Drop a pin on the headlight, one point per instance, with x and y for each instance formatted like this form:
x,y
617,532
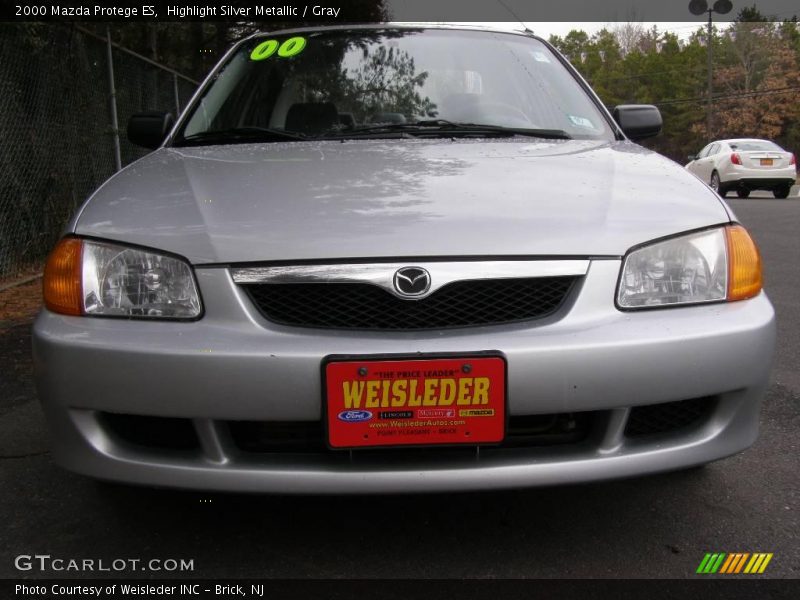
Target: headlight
x,y
98,278
707,266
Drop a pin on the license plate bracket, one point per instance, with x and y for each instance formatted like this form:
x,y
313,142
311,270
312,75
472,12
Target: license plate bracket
x,y
419,400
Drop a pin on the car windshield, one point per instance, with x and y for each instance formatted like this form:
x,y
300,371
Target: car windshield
x,y
391,83
754,146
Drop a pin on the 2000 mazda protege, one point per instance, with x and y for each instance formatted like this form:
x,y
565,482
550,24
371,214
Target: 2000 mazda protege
x,y
400,258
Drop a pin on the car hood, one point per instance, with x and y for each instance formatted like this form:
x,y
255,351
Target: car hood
x,y
398,198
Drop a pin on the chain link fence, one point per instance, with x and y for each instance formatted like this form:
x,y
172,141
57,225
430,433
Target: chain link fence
x,y
57,139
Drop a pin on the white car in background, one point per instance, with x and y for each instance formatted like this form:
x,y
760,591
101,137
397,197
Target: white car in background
x,y
744,165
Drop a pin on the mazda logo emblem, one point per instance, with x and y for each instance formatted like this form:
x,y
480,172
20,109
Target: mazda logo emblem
x,y
412,281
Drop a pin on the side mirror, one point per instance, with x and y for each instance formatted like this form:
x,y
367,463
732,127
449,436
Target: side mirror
x,y
149,129
638,121
691,157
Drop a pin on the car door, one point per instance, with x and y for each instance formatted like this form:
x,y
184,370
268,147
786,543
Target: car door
x,y
695,165
706,164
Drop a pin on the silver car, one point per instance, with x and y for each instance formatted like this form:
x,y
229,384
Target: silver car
x,y
399,259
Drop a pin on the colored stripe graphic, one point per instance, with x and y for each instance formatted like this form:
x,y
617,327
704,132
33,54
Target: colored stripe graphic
x,y
727,564
711,563
715,567
758,563
734,563
764,564
741,562
703,563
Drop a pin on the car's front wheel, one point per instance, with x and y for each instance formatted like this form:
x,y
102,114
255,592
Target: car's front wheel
x,y
782,192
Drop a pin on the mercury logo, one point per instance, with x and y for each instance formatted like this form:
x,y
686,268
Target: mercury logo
x,y
412,281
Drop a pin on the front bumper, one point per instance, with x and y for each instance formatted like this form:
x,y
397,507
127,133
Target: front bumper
x,y
232,365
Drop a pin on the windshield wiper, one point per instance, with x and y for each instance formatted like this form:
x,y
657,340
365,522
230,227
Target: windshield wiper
x,y
444,127
240,135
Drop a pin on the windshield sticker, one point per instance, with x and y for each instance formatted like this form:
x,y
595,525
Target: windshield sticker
x,y
582,122
540,56
291,47
264,50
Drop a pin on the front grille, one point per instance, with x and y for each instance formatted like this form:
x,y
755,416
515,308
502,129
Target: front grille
x,y
309,436
364,306
667,417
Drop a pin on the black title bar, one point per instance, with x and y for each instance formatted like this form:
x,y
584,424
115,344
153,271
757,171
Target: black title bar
x,y
732,588
346,11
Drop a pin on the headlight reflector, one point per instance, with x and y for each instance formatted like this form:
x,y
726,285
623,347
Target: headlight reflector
x,y
684,270
705,266
118,281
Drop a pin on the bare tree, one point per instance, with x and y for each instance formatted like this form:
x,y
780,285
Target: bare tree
x,y
629,36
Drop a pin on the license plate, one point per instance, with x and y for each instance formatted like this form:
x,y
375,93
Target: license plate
x,y
766,162
419,402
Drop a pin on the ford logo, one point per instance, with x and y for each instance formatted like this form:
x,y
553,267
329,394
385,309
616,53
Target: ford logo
x,y
355,416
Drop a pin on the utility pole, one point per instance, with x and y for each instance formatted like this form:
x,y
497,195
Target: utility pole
x,y
113,96
698,7
710,53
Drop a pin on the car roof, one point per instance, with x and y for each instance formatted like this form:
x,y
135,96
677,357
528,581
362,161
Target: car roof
x,y
734,140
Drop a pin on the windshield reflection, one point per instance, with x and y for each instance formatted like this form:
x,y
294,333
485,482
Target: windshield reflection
x,y
352,80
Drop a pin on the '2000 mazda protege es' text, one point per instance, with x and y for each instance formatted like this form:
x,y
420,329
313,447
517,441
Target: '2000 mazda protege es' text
x,y
399,258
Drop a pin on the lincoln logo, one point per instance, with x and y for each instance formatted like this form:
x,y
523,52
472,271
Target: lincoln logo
x,y
412,281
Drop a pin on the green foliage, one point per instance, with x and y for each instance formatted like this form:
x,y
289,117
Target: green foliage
x,y
752,59
750,14
386,77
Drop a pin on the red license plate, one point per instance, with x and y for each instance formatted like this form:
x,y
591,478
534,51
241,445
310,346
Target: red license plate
x,y
766,162
416,402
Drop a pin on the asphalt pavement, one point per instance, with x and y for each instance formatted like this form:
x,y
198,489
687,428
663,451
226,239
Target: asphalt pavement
x,y
657,526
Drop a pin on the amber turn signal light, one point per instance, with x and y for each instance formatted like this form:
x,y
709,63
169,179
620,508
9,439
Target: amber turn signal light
x,y
744,264
62,278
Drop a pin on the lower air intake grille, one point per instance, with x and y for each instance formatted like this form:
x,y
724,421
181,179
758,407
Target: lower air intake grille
x,y
309,436
166,433
364,306
670,416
